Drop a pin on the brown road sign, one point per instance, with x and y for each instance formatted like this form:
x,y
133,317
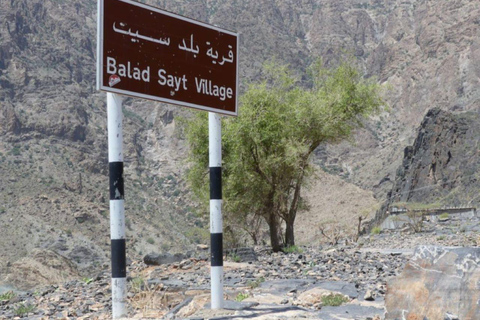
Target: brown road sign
x,y
149,53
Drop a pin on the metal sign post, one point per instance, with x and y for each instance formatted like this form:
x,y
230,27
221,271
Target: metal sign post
x,y
216,224
117,207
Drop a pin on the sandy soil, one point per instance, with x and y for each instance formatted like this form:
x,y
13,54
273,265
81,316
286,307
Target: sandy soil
x,y
335,205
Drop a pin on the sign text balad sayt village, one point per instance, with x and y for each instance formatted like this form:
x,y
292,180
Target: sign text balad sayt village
x,y
148,53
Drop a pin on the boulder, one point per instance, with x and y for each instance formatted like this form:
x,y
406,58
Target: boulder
x,y
349,312
314,297
436,284
369,296
155,259
345,288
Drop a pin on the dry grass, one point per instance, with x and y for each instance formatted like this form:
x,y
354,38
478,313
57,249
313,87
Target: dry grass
x,y
153,301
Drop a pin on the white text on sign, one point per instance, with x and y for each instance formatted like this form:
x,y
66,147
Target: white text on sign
x,y
177,83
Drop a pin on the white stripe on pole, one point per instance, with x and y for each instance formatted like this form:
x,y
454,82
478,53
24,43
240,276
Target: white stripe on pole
x,y
117,219
217,287
119,294
215,140
115,127
216,223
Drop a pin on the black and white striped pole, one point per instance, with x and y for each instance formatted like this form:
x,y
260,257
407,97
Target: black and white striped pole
x,y
117,208
216,224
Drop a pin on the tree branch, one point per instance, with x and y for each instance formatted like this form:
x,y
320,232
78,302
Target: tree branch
x,y
257,166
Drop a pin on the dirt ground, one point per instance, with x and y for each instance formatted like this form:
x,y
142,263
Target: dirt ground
x,y
335,206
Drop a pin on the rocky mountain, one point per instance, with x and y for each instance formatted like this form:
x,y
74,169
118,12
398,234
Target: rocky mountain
x,y
53,146
442,166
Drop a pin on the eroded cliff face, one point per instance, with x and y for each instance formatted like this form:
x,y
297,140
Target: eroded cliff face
x,y
53,147
442,166
442,160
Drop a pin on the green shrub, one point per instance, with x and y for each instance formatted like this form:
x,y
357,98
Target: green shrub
x,y
334,300
87,280
235,257
7,296
24,309
198,235
138,284
15,151
443,216
150,240
241,296
255,283
376,230
292,249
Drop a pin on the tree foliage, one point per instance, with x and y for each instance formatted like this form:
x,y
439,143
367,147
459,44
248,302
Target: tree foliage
x,y
267,148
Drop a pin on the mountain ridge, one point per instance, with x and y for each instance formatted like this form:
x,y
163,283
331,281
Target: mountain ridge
x,y
53,122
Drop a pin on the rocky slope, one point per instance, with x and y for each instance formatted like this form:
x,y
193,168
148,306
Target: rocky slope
x,y
442,166
53,187
269,285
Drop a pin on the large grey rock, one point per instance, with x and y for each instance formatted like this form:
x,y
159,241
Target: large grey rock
x,y
348,312
286,285
435,282
156,259
342,287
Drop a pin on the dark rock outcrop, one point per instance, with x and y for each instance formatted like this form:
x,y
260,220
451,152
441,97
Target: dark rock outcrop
x,y
440,160
9,122
442,164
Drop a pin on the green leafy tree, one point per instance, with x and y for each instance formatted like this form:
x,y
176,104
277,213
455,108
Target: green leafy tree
x,y
267,148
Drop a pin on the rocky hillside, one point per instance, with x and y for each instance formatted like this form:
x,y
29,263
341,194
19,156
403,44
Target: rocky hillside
x,y
53,146
314,282
427,52
442,166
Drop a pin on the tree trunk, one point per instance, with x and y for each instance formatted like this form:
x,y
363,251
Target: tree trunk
x,y
290,216
289,235
274,225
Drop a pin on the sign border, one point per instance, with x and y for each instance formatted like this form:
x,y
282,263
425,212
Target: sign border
x,y
100,38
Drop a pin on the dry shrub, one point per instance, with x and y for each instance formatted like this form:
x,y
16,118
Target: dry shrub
x,y
154,301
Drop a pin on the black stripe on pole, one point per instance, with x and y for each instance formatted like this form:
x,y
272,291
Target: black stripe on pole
x,y
119,264
216,240
116,180
215,183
